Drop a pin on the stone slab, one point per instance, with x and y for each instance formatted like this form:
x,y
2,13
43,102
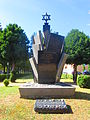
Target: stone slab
x,y
38,38
60,66
35,90
36,48
34,68
46,35
50,106
55,43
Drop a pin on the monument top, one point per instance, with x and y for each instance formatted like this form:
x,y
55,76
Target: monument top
x,y
46,17
46,27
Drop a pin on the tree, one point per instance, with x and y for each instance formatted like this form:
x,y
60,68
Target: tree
x,y
23,66
77,46
14,45
2,60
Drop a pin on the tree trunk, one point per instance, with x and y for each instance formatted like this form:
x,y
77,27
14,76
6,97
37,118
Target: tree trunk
x,y
13,67
4,69
7,72
75,73
18,70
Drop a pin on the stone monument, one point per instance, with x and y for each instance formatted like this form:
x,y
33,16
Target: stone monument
x,y
47,64
48,55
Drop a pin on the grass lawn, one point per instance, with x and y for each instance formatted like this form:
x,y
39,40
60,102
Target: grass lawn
x,y
12,107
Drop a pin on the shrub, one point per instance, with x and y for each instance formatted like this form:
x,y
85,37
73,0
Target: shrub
x,y
84,81
6,82
12,77
2,77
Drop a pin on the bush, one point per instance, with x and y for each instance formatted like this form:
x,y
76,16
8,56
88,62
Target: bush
x,y
2,77
84,81
6,82
12,77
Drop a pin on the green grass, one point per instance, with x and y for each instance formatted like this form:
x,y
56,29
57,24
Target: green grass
x,y
67,76
23,80
67,80
5,91
12,107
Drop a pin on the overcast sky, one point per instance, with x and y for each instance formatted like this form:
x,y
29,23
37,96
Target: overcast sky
x,y
65,15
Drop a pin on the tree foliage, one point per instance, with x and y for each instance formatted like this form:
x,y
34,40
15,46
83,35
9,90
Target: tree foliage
x,y
14,45
2,60
77,46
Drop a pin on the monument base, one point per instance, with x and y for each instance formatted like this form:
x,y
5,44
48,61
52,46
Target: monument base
x,y
37,91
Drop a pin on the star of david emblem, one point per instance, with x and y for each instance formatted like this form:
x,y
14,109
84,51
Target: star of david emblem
x,y
46,17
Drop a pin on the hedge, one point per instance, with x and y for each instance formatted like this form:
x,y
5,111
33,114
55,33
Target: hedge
x,y
12,77
2,77
84,81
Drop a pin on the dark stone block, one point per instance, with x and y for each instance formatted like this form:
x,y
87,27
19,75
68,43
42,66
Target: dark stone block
x,y
47,57
55,43
50,106
46,27
46,73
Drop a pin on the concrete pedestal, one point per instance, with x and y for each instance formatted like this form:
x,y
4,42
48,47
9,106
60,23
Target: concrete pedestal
x,y
35,90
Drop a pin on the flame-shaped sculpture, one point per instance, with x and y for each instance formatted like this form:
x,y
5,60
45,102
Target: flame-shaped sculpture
x,y
48,57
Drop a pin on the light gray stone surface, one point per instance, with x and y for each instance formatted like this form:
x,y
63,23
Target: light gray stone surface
x,y
36,48
60,66
34,68
35,90
38,39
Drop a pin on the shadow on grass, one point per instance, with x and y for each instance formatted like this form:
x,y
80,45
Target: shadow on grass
x,y
72,83
65,111
9,86
81,95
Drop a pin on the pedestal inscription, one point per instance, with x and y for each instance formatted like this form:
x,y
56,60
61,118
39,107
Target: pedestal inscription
x,y
50,106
